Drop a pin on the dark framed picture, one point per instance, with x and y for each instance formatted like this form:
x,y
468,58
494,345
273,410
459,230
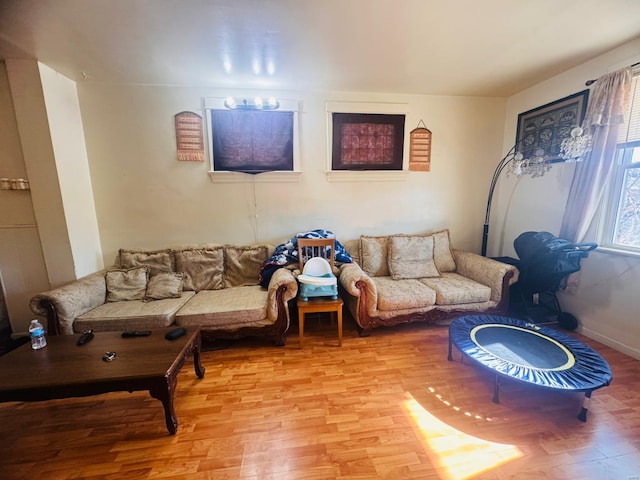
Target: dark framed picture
x,y
367,141
545,127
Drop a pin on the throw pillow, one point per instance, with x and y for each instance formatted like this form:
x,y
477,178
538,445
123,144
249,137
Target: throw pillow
x,y
202,267
411,256
242,264
442,252
126,284
158,261
164,285
373,255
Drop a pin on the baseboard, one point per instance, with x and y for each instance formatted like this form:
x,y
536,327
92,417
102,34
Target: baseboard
x,y
609,342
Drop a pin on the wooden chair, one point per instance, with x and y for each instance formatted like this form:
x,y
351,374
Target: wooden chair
x,y
325,248
316,247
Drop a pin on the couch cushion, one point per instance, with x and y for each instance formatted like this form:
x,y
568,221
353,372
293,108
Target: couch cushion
x,y
442,252
402,294
164,285
227,309
411,256
126,284
202,266
353,249
158,261
452,289
134,315
373,255
242,264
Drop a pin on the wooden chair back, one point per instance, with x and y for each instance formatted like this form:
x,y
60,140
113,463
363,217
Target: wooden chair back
x,y
316,247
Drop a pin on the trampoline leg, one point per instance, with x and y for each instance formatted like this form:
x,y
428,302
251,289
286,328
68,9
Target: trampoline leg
x,y
582,416
449,357
496,391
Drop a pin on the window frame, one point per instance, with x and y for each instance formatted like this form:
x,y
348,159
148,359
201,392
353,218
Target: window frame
x,y
226,176
608,216
332,175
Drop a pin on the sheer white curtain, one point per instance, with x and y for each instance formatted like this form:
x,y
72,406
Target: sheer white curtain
x,y
605,112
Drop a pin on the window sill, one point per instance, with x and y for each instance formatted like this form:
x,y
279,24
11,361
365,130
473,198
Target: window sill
x,y
366,175
266,177
617,251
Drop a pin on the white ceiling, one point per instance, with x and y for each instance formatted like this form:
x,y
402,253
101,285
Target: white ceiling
x,y
450,47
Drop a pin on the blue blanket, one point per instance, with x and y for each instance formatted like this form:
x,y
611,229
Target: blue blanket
x,y
287,254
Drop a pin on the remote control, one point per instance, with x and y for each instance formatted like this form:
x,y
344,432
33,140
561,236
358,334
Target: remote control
x,y
136,333
85,337
175,333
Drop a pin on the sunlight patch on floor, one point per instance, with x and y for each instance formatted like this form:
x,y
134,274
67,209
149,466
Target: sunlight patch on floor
x,y
455,454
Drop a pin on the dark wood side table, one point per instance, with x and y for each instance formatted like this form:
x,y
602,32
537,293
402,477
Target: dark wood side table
x,y
63,369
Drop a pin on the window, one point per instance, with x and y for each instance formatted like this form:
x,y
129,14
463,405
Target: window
x,y
252,141
347,161
620,229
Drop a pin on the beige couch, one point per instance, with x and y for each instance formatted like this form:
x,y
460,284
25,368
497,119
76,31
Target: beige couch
x,y
406,278
213,286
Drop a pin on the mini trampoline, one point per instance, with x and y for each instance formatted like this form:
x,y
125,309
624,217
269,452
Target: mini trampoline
x,y
530,353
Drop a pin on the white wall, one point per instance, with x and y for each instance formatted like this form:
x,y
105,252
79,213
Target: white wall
x,y
56,239
21,260
607,301
69,151
146,198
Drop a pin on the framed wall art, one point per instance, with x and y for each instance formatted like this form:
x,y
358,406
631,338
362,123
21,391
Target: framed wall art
x,y
367,141
545,127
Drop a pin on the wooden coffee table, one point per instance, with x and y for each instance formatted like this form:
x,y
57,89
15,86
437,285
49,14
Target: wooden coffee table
x,y
63,369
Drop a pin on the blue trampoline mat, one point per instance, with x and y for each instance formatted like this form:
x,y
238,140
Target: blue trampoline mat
x,y
529,353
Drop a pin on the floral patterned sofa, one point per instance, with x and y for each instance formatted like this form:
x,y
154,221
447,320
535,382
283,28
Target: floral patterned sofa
x,y
404,278
213,286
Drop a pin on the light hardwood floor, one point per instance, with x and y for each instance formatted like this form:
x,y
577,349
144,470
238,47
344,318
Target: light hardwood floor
x,y
387,406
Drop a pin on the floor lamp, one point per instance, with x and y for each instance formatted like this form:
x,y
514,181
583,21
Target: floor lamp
x,y
573,149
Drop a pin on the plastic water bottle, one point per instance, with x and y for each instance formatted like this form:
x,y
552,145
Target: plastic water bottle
x,y
36,331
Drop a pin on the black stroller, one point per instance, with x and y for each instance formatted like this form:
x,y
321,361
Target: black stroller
x,y
545,262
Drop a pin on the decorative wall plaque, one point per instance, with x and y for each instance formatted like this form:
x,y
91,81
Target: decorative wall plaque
x,y
420,149
189,137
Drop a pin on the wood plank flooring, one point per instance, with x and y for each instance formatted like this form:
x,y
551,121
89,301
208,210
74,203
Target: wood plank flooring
x,y
389,406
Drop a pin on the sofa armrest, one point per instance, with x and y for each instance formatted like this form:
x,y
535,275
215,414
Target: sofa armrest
x,y
282,288
495,275
62,305
358,284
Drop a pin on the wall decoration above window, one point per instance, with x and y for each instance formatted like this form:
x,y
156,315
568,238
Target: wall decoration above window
x,y
189,140
420,148
367,141
541,130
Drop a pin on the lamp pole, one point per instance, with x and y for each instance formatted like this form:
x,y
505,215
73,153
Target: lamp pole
x,y
509,157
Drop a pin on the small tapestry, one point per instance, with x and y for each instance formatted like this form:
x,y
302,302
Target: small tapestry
x,y
420,150
189,137
367,141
